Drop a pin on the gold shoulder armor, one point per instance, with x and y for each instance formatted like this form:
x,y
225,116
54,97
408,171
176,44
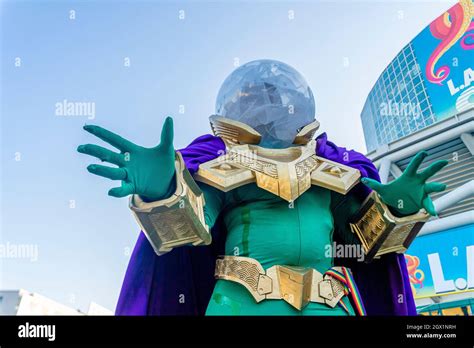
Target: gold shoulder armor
x,y
284,172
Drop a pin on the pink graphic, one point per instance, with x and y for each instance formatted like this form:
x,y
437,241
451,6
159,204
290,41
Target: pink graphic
x,y
416,275
449,28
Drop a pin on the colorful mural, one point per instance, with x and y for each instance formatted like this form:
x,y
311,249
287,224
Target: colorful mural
x,y
450,28
442,263
445,54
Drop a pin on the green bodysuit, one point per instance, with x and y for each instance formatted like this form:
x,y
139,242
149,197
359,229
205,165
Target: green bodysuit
x,y
263,226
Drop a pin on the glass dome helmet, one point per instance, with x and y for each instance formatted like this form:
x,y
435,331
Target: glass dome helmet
x,y
269,96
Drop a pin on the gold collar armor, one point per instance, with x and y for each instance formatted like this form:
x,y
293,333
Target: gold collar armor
x,y
287,173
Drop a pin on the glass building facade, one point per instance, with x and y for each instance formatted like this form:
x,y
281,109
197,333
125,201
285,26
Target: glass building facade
x,y
430,80
398,104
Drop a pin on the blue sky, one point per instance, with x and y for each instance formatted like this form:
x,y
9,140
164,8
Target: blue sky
x,y
48,199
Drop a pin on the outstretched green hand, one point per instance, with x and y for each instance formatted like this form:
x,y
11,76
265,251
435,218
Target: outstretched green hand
x,y
410,192
147,172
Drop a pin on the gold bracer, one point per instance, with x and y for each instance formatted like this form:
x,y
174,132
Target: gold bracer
x,y
380,232
177,220
287,173
296,285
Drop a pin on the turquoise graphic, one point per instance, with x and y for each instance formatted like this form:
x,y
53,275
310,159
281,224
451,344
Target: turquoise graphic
x,y
442,263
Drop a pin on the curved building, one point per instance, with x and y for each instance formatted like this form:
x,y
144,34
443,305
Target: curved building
x,y
430,79
424,100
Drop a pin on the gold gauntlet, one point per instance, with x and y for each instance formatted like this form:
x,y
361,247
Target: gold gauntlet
x,y
380,232
175,221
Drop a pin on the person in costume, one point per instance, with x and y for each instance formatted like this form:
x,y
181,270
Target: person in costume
x,y
239,222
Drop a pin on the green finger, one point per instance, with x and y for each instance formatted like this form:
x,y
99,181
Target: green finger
x,y
109,137
167,133
102,154
415,163
108,172
429,206
434,187
433,169
373,184
125,190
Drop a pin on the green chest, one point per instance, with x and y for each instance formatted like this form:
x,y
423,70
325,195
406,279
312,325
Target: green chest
x,y
265,227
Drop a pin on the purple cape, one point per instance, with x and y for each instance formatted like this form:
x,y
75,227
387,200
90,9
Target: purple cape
x,y
181,282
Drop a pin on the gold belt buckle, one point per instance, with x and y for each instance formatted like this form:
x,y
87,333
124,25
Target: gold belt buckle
x,y
295,285
300,285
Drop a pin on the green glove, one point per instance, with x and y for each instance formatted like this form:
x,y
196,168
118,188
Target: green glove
x,y
410,192
147,172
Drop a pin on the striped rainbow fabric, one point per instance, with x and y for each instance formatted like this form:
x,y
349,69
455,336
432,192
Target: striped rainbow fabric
x,y
350,287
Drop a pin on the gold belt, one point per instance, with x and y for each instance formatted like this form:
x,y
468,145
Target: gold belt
x,y
296,285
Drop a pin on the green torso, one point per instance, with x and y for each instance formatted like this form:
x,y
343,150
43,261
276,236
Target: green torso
x,y
262,226
265,227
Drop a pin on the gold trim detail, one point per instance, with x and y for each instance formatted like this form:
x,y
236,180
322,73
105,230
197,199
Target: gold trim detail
x,y
233,132
236,132
175,221
296,285
306,134
287,173
380,232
